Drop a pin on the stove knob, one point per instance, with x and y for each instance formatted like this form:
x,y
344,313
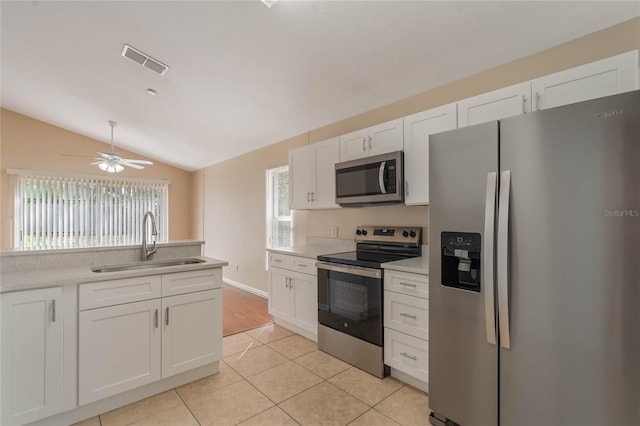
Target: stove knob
x,y
358,232
412,234
405,234
364,232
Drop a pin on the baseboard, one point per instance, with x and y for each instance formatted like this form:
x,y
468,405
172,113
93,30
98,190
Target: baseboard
x,y
410,380
246,288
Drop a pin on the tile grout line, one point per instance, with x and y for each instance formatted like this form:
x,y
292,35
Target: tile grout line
x,y
275,404
187,405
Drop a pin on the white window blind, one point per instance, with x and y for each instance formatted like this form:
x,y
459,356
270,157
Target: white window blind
x,y
84,211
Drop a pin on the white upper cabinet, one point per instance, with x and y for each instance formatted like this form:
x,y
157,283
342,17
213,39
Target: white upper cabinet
x,y
31,355
594,80
501,103
378,139
300,177
326,155
312,175
417,128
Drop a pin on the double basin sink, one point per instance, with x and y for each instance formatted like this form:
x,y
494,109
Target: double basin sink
x,y
147,265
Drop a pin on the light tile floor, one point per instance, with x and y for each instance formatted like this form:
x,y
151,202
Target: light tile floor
x,y
272,377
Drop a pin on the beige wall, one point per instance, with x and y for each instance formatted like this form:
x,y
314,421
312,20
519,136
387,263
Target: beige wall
x,y
234,191
35,145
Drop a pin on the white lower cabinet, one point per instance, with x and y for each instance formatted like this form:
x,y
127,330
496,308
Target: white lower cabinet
x,y
191,331
31,354
119,349
124,346
406,325
407,354
293,295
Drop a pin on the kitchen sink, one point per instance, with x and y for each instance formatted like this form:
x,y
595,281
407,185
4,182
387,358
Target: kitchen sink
x,y
147,265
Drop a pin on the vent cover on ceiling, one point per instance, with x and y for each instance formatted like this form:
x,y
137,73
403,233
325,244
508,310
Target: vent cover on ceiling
x,y
144,59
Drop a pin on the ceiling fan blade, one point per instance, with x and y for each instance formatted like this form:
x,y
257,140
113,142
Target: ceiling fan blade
x,y
129,160
97,162
134,166
110,155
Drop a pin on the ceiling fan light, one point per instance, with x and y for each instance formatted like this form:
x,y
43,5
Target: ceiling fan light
x,y
103,166
117,168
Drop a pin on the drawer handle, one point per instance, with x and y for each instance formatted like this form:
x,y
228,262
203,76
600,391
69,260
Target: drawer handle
x,y
53,310
155,318
406,355
408,284
166,320
301,265
277,260
408,316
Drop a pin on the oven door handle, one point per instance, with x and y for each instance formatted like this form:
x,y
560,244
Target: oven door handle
x,y
350,269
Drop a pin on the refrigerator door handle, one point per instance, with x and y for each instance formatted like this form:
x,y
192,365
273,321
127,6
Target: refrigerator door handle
x,y
489,236
503,260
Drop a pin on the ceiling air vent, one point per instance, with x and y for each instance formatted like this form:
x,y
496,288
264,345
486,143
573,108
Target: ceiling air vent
x,y
144,59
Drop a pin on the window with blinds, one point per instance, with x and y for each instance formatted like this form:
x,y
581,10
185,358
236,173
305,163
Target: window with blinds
x,y
70,211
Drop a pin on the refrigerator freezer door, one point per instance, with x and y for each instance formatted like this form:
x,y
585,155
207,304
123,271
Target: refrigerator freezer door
x,y
463,366
574,249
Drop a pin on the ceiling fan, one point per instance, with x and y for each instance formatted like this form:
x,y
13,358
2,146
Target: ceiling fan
x,y
112,162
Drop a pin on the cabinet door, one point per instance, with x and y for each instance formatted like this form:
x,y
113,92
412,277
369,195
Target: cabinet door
x,y
31,355
502,103
305,301
407,354
326,155
279,293
301,164
119,349
386,137
354,145
601,78
191,331
417,128
407,314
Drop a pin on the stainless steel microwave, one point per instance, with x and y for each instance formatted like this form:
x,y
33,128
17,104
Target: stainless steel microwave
x,y
371,180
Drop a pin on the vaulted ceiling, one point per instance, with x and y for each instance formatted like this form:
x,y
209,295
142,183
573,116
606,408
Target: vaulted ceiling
x,y
242,76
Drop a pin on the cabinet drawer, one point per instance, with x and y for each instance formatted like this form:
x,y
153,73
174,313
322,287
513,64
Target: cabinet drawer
x,y
407,314
190,281
279,260
115,292
407,354
304,265
406,283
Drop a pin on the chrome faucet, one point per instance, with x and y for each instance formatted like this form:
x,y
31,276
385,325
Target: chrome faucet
x,y
146,253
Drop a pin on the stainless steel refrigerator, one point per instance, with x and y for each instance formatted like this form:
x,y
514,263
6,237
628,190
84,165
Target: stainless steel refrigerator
x,y
534,310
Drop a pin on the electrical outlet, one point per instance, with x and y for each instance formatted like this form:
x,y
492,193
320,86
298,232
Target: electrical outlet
x,y
237,267
334,231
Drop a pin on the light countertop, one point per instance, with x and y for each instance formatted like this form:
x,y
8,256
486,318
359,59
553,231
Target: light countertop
x,y
315,247
415,265
57,277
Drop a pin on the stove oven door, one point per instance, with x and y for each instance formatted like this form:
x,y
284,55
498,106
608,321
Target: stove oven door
x,y
350,300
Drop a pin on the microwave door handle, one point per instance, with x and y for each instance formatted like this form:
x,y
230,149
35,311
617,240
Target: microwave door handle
x,y
383,188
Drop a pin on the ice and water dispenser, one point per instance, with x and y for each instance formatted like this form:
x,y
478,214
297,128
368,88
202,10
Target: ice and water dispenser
x,y
461,260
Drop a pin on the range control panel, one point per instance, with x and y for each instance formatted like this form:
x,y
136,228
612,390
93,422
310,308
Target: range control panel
x,y
401,235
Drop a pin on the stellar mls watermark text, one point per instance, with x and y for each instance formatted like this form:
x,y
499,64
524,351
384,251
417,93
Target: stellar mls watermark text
x,y
622,213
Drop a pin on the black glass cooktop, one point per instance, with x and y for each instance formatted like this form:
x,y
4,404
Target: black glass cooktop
x,y
370,259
